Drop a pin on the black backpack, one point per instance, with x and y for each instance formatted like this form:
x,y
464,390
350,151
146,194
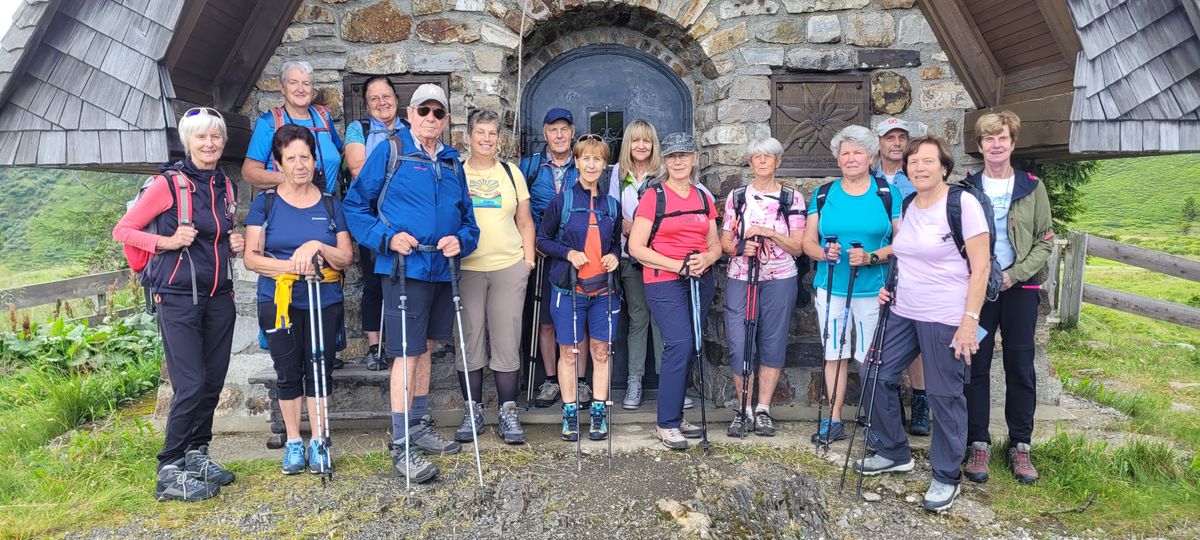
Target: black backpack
x,y
786,199
882,190
660,210
954,219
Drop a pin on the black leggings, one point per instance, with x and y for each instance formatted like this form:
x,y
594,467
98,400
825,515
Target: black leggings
x,y
1014,313
372,291
291,349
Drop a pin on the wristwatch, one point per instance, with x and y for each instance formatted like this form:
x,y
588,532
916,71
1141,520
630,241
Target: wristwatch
x,y
972,315
874,258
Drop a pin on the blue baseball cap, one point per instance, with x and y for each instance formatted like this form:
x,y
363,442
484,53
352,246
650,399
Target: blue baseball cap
x,y
558,113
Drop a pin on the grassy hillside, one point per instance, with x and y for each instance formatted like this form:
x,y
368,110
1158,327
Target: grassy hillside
x,y
1140,201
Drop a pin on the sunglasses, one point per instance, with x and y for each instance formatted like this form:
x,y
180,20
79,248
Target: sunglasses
x,y
424,111
202,110
590,137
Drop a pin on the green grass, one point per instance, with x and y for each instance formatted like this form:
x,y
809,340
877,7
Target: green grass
x,y
11,277
1140,201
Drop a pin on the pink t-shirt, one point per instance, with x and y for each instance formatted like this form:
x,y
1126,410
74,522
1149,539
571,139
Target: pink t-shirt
x,y
678,235
762,210
933,276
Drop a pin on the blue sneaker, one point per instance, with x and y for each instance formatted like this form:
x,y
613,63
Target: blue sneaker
x,y
293,458
318,458
830,431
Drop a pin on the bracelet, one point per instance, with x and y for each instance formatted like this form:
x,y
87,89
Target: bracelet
x,y
972,315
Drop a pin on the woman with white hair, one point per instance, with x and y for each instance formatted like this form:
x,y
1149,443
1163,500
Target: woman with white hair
x,y
849,233
181,225
762,232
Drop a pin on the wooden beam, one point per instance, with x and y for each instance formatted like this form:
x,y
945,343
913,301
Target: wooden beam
x,y
968,52
1045,124
238,127
63,289
1140,305
183,31
259,38
1062,27
1071,295
1155,261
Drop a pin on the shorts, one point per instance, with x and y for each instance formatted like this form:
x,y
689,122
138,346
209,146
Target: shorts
x,y
591,314
776,298
430,315
864,317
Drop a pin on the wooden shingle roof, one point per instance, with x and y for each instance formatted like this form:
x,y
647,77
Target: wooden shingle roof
x,y
1137,77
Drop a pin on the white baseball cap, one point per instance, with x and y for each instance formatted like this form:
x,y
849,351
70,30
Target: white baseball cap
x,y
888,124
429,92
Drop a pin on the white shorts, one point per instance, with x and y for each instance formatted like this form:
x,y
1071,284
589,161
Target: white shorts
x,y
864,316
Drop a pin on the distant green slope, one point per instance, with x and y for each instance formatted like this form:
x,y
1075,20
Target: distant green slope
x,y
1140,201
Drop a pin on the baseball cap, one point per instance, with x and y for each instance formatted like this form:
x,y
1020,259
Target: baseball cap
x,y
429,92
677,143
558,113
891,123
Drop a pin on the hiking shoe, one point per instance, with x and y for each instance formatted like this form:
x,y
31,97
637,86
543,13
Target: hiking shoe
x,y
688,403
424,439
319,461
633,394
374,360
293,458
918,423
599,416
672,438
876,464
420,469
829,431
177,484
737,428
584,393
764,425
510,424
547,394
1022,466
464,434
690,430
939,497
570,424
205,468
336,363
977,462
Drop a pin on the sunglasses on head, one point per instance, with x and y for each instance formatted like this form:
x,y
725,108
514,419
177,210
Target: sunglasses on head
x,y
590,137
205,110
437,113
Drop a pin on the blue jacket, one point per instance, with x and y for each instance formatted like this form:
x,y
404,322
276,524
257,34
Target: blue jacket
x,y
901,181
416,202
575,233
540,175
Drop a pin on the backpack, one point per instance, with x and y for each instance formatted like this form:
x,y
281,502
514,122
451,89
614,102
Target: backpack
x,y
882,190
786,199
342,182
569,208
660,208
954,219
393,165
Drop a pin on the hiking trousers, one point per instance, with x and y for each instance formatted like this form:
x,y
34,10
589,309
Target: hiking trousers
x,y
1015,314
641,325
372,291
196,341
671,308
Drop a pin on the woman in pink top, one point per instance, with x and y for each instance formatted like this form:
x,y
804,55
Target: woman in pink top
x,y
938,296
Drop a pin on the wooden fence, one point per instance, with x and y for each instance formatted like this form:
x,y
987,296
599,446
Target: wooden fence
x,y
94,287
1069,259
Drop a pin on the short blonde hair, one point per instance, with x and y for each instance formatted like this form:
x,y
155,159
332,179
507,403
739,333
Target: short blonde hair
x,y
993,124
196,120
640,129
592,145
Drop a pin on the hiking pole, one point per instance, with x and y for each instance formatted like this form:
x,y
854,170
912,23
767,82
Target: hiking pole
x,y
400,279
751,337
317,336
462,346
534,332
575,358
872,364
694,292
837,370
823,443
612,290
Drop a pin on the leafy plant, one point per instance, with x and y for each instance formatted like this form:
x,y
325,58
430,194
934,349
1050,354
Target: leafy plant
x,y
79,346
1064,184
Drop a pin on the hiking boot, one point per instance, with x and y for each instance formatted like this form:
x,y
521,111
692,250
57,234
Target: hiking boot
x,y
510,424
293,458
672,438
764,425
1022,466
374,359
420,469
633,394
319,461
177,484
829,431
690,430
688,403
977,462
464,434
599,416
547,394
423,438
584,394
208,471
737,428
570,424
918,423
939,497
876,464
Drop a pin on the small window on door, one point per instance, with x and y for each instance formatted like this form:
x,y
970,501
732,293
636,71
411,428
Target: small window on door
x,y
610,125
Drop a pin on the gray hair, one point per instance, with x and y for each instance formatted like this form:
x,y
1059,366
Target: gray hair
x,y
192,124
857,135
301,65
482,116
768,145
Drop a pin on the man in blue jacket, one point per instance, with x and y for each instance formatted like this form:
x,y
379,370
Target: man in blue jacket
x,y
424,215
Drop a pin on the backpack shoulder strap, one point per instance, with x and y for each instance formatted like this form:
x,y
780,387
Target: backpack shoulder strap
x,y
884,191
327,199
183,195
508,171
531,167
822,194
739,208
660,209
277,113
365,125
904,204
954,217
393,164
565,215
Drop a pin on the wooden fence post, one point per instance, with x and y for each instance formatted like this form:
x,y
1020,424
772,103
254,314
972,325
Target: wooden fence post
x,y
1053,279
1071,298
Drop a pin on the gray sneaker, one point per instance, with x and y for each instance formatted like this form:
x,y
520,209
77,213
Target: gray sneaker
x,y
423,438
547,394
690,430
585,394
633,394
463,433
737,428
764,425
510,424
672,438
205,468
177,484
876,464
411,463
941,496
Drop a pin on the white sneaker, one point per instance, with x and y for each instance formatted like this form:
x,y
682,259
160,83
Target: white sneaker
x,y
941,496
876,464
688,403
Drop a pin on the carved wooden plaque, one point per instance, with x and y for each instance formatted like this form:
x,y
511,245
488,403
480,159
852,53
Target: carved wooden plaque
x,y
808,110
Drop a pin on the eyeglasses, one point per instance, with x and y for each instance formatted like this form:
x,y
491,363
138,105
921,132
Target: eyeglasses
x,y
373,100
202,110
590,137
424,111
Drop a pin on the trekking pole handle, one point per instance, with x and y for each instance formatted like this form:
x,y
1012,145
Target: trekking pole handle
x,y
452,262
831,239
893,275
316,262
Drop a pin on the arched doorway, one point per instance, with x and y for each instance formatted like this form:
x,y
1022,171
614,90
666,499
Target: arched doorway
x,y
605,87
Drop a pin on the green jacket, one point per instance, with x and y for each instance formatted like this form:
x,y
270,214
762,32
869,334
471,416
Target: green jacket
x,y
1030,228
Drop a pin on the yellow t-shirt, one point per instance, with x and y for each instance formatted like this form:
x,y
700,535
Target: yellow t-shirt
x,y
495,203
